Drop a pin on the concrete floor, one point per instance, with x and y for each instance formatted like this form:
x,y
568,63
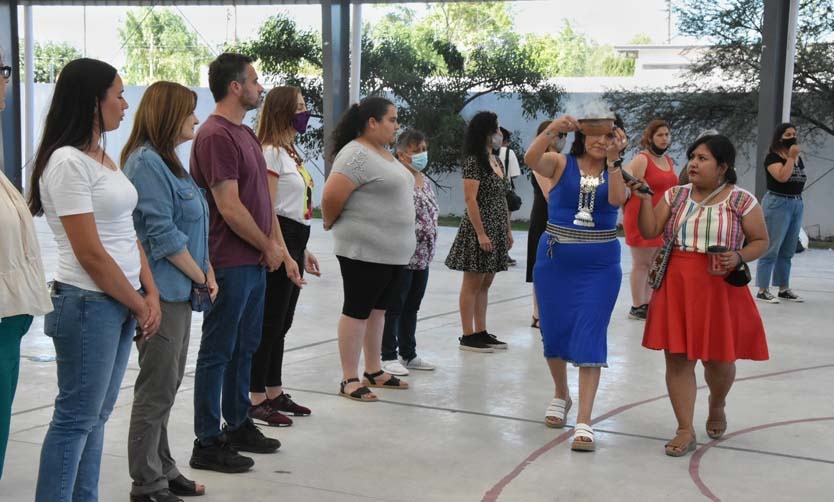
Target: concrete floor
x,y
472,429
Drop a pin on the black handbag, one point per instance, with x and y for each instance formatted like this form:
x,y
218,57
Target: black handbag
x,y
740,276
513,199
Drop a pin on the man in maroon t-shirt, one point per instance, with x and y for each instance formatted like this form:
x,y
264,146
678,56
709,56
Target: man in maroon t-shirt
x,y
244,242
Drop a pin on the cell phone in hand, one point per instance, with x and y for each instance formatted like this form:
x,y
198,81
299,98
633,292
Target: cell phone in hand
x,y
643,188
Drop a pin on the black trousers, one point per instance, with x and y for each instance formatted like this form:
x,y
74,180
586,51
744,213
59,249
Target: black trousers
x,y
279,310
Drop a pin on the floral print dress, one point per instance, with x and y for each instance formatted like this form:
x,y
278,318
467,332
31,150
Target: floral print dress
x,y
466,255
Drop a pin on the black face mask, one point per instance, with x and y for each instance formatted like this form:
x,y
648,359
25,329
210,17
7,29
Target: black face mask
x,y
788,142
657,151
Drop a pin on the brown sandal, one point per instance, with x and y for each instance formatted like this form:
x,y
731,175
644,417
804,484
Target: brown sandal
x,y
363,394
391,383
677,448
716,427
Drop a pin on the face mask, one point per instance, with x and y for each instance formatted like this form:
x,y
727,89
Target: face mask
x,y
657,151
497,140
788,142
559,145
299,121
419,161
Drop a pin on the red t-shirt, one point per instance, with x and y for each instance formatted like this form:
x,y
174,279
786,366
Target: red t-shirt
x,y
225,151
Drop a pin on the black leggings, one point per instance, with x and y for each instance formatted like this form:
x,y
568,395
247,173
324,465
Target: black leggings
x,y
279,310
368,286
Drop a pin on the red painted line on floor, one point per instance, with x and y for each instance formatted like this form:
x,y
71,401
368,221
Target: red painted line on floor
x,y
695,461
493,493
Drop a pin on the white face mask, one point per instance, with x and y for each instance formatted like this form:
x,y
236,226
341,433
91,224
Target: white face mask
x,y
559,145
497,140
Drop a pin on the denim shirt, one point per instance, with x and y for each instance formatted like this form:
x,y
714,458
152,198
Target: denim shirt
x,y
171,216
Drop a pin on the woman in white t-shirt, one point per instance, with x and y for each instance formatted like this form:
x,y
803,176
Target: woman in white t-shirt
x,y
284,115
88,203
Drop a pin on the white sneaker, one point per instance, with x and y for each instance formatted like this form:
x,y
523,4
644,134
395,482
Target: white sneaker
x,y
418,364
394,367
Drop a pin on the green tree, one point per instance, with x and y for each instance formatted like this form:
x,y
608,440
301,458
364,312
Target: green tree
x,y
571,54
721,88
432,94
50,58
159,46
641,39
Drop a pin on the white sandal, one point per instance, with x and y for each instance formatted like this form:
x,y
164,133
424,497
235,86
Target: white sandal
x,y
557,410
583,431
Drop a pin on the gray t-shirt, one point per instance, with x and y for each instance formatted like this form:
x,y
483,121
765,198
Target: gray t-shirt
x,y
377,222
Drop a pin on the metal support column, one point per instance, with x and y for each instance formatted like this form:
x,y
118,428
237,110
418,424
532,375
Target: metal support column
x,y
335,25
10,117
356,53
775,77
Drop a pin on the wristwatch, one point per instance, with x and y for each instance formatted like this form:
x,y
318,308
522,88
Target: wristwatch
x,y
615,164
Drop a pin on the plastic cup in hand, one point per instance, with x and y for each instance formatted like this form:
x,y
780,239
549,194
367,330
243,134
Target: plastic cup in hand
x,y
714,259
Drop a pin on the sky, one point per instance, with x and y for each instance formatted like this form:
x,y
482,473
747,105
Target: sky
x,y
610,22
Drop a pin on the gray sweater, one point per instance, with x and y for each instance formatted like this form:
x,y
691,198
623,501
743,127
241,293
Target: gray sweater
x,y
377,222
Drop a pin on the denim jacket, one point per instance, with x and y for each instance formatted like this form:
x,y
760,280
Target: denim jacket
x,y
171,216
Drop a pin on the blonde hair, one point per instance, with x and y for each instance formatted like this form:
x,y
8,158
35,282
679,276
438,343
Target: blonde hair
x,y
275,121
159,120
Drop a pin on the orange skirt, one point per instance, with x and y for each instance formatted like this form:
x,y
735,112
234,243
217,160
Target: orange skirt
x,y
700,315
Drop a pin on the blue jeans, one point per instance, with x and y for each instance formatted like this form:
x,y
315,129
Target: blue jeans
x,y
783,217
231,334
401,316
92,334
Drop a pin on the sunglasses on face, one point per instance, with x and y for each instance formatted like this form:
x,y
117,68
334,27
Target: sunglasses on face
x,y
6,71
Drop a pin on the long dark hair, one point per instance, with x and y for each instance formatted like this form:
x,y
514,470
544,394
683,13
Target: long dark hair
x,y
355,120
478,132
776,142
722,149
72,117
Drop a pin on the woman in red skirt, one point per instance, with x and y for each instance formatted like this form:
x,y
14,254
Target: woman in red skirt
x,y
695,314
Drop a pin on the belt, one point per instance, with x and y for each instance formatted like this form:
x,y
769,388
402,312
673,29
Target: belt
x,y
565,235
784,195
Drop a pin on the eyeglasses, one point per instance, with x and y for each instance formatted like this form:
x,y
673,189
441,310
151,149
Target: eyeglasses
x,y
6,71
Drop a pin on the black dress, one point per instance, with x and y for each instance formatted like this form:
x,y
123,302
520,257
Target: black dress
x,y
466,254
538,222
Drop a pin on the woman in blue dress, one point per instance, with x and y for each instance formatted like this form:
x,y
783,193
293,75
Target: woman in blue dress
x,y
577,274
